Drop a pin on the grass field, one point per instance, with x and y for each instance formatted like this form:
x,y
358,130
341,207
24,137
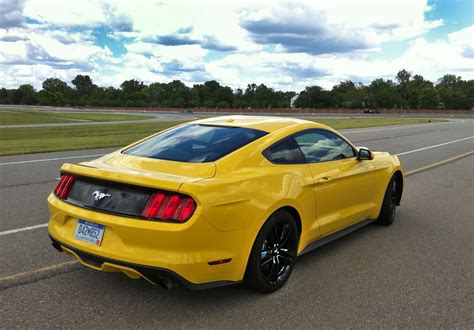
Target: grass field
x,y
357,122
14,141
19,117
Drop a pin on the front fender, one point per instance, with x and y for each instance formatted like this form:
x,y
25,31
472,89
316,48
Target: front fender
x,y
386,166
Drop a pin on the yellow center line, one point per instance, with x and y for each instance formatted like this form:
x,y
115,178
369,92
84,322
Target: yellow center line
x,y
437,164
72,262
38,271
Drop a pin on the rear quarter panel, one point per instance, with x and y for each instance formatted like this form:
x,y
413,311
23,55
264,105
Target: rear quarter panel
x,y
246,198
241,201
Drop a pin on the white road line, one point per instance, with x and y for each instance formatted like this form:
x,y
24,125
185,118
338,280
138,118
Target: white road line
x,y
49,159
13,231
434,146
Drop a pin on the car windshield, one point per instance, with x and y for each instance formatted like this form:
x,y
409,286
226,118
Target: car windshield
x,y
195,143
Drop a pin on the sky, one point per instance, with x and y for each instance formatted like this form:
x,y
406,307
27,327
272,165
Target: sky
x,y
286,45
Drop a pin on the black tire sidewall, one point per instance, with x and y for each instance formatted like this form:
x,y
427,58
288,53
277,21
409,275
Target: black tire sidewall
x,y
385,218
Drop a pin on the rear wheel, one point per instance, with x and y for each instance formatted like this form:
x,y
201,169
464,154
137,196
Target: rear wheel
x,y
389,204
273,254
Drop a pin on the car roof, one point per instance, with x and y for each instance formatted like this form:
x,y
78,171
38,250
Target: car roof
x,y
264,123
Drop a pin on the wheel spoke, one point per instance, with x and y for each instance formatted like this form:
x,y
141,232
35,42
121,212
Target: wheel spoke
x,y
273,275
286,256
265,255
266,261
285,261
285,234
282,270
274,235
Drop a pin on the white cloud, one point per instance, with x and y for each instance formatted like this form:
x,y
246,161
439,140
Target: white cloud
x,y
11,13
328,26
284,44
435,58
207,18
57,12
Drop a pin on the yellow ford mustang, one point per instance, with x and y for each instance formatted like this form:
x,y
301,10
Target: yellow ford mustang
x,y
220,201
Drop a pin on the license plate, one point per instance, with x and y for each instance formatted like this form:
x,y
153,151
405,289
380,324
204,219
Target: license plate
x,y
89,232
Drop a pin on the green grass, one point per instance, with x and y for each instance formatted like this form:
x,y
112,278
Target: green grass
x,y
15,141
19,117
342,123
43,139
449,117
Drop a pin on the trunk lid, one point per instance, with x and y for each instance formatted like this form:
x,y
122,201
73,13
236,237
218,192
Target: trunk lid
x,y
123,184
146,172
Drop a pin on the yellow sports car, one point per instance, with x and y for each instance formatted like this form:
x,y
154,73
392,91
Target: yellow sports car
x,y
220,201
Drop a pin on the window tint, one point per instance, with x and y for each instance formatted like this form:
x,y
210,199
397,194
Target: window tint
x,y
195,143
285,152
322,146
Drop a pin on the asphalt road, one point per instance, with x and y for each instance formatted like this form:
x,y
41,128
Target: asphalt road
x,y
417,273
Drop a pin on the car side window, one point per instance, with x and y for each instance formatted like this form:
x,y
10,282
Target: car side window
x,y
285,152
322,146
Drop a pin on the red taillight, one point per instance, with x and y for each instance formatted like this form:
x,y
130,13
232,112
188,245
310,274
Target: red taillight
x,y
169,207
153,205
64,186
187,210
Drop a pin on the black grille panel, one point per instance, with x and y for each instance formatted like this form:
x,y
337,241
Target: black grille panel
x,y
109,197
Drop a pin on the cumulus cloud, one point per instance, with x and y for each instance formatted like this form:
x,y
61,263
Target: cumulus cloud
x,y
176,66
90,13
11,13
326,27
74,13
117,20
41,49
300,29
463,39
184,36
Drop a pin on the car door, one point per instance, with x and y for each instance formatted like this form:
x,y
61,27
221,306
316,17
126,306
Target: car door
x,y
343,185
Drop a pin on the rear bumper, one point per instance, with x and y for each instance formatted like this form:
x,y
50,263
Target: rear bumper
x,y
158,276
158,252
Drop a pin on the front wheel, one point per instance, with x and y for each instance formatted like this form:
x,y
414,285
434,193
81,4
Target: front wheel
x,y
389,205
273,254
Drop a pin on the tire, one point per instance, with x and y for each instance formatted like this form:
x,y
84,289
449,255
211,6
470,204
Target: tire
x,y
389,205
273,255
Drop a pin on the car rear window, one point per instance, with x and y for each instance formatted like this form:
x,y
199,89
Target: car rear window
x,y
195,143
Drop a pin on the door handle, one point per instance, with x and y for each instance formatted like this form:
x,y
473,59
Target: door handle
x,y
324,179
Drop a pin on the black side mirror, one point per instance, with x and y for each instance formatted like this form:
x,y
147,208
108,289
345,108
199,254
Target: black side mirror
x,y
365,154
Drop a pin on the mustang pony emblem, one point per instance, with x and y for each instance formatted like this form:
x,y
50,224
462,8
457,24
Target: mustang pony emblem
x,y
99,195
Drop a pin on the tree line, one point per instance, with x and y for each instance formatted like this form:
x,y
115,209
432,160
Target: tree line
x,y
406,91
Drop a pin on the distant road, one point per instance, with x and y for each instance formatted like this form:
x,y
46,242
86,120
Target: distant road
x,y
157,116
273,112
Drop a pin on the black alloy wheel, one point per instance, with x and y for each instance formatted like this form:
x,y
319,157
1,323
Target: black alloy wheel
x,y
277,253
274,253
